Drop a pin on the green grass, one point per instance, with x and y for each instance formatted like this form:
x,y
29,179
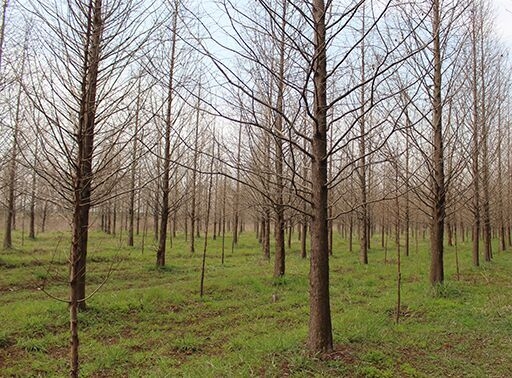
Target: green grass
x,y
148,322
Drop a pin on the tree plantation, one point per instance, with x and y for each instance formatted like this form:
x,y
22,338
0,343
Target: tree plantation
x,y
255,188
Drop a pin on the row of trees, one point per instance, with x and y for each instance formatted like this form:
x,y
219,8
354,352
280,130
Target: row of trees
x,y
179,116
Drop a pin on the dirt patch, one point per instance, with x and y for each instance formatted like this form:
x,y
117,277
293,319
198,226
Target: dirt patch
x,y
58,353
344,353
11,353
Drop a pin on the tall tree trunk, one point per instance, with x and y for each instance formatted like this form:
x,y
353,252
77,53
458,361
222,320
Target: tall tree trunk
x,y
407,183
320,327
501,220
11,201
237,193
194,174
363,212
133,173
398,252
476,149
439,190
83,174
164,212
156,207
137,224
486,207
216,200
279,259
305,218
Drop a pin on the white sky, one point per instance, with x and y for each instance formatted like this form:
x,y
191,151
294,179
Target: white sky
x,y
504,19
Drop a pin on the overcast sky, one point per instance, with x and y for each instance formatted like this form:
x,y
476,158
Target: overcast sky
x,y
504,21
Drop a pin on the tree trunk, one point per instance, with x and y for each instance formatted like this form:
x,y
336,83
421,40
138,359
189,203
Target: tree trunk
x,y
223,219
320,328
279,258
131,209
476,150
207,220
407,183
11,201
164,212
237,193
303,240
32,221
44,216
83,175
486,207
439,191
2,30
194,175
363,212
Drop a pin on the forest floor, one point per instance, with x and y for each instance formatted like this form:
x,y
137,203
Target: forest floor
x,y
148,322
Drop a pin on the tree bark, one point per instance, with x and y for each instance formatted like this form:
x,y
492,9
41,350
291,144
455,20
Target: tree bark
x,y
164,212
194,175
83,174
476,150
32,222
279,258
11,201
438,190
237,193
320,327
131,210
486,207
363,212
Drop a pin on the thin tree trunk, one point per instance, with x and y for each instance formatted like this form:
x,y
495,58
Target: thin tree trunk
x,y
11,201
32,222
439,190
164,213
44,216
303,240
194,174
207,220
501,220
305,218
398,253
237,193
351,233
476,151
223,220
215,202
486,207
131,209
279,258
363,212
407,182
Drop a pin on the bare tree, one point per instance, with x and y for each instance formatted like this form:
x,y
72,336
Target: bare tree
x,y
311,33
165,186
88,46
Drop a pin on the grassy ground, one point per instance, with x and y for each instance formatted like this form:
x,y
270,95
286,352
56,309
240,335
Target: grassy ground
x,y
146,322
